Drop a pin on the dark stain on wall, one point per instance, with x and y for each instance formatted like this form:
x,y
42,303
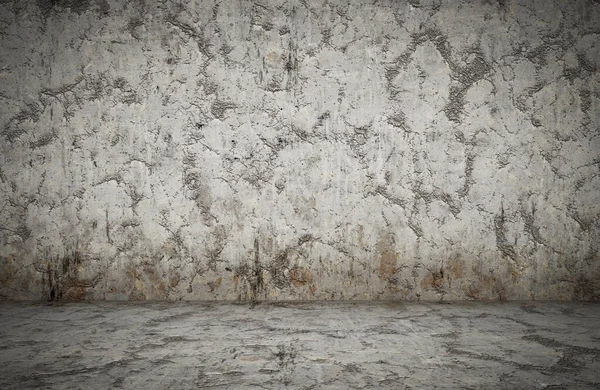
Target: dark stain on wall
x,y
61,279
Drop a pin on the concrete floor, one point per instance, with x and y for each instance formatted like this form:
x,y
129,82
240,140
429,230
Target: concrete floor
x,y
378,345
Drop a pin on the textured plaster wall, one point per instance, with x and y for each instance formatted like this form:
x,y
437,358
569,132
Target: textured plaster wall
x,y
299,149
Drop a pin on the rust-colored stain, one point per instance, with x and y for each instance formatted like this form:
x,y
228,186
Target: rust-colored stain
x,y
137,293
485,287
300,276
75,287
273,56
472,291
236,282
361,236
6,271
132,273
284,276
516,270
212,286
388,259
435,280
75,294
456,266
155,280
387,265
150,271
175,279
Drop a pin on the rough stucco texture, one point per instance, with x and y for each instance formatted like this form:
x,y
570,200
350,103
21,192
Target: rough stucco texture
x,y
299,150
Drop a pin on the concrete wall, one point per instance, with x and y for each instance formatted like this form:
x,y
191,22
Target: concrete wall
x,y
300,149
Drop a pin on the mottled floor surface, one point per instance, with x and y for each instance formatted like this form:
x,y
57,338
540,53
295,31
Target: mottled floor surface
x,y
325,345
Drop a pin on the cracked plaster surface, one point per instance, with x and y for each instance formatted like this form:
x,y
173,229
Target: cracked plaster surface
x,y
299,150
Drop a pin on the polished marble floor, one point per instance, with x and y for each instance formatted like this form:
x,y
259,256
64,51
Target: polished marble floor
x,y
351,345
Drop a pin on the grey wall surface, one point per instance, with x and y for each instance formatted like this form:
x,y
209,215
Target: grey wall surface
x,y
299,149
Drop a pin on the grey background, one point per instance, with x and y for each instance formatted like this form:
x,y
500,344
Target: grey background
x,y
299,150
